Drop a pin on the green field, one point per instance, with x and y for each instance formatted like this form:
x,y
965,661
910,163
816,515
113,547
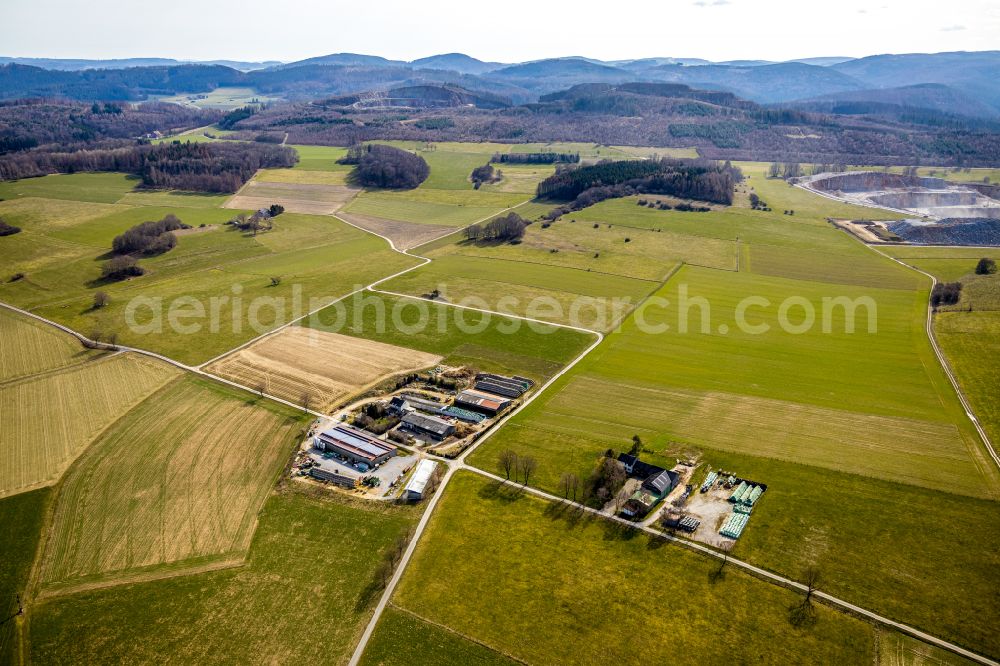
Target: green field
x,y
512,287
647,254
174,198
403,209
305,594
321,158
403,639
490,343
49,420
63,245
537,581
21,520
165,487
96,187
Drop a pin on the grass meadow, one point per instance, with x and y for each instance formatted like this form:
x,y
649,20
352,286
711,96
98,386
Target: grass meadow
x,y
488,282
321,158
305,593
550,586
93,187
969,332
165,486
21,521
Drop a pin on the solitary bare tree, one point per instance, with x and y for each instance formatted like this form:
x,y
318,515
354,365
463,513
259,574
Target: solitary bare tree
x,y
508,463
260,389
528,465
306,400
812,579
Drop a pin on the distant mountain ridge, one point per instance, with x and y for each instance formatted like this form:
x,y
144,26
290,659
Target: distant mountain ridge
x,y
973,87
74,64
934,96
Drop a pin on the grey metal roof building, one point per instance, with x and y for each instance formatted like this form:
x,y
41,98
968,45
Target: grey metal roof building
x,y
428,425
661,483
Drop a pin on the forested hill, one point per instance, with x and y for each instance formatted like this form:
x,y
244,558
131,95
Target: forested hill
x,y
719,124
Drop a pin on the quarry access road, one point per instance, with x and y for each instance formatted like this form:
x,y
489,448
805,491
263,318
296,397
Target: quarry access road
x,y
944,361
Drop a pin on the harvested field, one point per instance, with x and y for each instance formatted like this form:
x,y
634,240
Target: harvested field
x,y
296,197
30,347
180,477
404,235
47,422
328,366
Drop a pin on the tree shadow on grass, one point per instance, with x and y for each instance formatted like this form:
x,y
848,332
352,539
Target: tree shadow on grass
x,y
802,615
717,574
501,491
615,531
369,594
657,541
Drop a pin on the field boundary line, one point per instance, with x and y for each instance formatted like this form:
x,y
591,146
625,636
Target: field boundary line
x,y
369,287
456,632
14,381
220,564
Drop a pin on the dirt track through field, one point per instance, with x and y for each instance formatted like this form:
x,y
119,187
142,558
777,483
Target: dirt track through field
x,y
328,366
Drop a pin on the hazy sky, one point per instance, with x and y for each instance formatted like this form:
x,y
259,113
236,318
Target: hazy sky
x,y
503,30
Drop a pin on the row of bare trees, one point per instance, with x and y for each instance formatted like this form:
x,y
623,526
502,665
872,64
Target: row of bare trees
x,y
520,466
